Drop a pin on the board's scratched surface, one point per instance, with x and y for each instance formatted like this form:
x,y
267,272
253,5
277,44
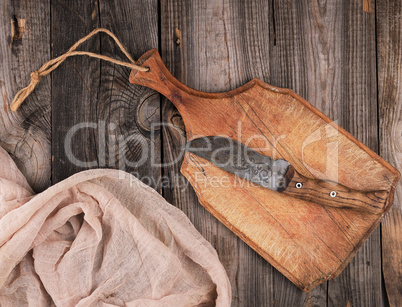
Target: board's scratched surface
x,y
345,62
308,243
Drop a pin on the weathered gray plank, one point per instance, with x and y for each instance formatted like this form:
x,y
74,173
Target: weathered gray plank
x,y
133,110
360,283
24,45
389,55
112,116
75,89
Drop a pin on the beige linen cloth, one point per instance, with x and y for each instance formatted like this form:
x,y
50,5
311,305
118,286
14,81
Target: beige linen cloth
x,y
101,238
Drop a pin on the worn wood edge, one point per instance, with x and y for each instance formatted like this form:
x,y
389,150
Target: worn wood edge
x,y
388,206
266,256
350,137
250,243
256,248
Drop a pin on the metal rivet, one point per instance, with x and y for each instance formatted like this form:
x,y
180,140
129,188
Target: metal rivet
x,y
299,185
332,194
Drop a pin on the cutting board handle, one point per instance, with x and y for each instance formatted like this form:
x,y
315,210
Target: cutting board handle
x,y
332,194
159,78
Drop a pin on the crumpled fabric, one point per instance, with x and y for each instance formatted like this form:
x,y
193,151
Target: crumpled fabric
x,y
101,238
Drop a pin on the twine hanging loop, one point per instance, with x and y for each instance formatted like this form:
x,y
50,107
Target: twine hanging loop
x,y
51,65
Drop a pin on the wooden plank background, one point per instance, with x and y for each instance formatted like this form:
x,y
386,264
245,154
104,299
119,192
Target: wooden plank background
x,y
344,61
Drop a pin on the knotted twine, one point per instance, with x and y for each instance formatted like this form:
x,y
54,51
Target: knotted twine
x,y
99,238
51,65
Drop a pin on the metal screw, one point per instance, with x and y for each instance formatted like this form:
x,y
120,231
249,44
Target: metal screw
x,y
299,185
333,194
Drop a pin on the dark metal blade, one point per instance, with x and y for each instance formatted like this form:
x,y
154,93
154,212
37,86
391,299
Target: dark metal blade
x,y
241,161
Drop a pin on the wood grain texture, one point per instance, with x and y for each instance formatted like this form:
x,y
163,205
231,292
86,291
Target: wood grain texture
x,y
193,39
134,144
107,121
75,90
287,231
328,57
389,54
24,45
208,45
323,50
360,283
326,54
274,42
329,193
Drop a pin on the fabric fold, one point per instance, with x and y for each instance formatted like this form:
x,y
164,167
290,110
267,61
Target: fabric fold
x,y
101,238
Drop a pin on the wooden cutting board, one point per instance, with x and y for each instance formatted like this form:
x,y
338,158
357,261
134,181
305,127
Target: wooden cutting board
x,y
308,243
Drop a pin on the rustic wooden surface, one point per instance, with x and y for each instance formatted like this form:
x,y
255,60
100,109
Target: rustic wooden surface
x,y
331,53
307,242
26,134
389,53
